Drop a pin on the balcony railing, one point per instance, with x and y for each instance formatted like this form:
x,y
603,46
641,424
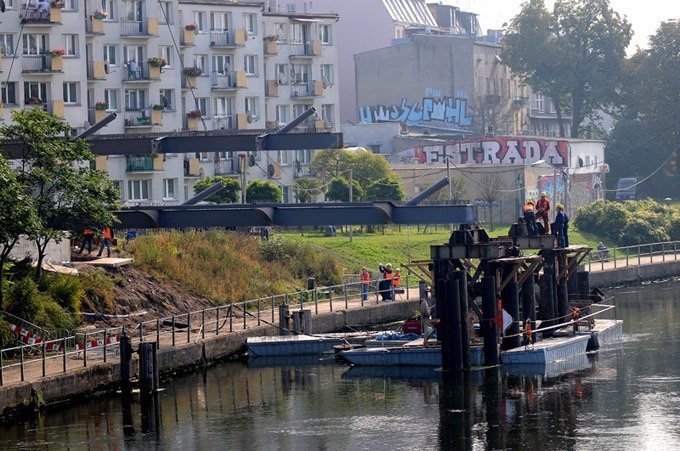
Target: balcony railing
x,y
312,48
135,27
36,63
225,80
139,164
135,71
141,118
224,122
227,38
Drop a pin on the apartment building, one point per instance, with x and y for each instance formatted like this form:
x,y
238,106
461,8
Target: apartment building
x,y
168,66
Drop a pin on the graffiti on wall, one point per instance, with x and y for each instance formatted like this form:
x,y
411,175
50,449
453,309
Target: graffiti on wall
x,y
489,151
433,107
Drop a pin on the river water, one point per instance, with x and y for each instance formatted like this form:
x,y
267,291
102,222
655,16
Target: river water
x,y
623,398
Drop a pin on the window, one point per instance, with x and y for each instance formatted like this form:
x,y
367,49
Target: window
x,y
11,4
202,156
118,184
168,99
539,102
325,34
250,23
71,5
221,64
139,189
199,20
301,73
34,44
9,93
223,107
111,97
251,106
135,99
35,89
279,30
299,109
281,73
303,156
203,105
220,21
165,13
71,44
165,52
133,53
296,35
327,113
284,157
250,64
110,7
71,92
282,114
327,74
110,55
200,61
6,44
134,10
169,189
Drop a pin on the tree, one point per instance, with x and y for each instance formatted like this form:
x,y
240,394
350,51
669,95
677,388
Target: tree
x,y
55,172
573,56
492,188
306,189
229,194
386,188
263,191
338,190
17,216
366,166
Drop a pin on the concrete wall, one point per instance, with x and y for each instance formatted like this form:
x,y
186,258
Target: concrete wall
x,y
55,252
634,274
106,376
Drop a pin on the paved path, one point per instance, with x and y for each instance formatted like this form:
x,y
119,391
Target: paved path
x,y
632,261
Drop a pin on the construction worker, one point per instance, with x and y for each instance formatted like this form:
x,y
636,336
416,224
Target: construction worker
x,y
385,285
365,283
543,212
88,237
561,225
530,218
107,236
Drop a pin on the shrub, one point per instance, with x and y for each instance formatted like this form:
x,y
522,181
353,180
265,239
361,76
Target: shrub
x,y
24,299
606,219
68,292
674,227
639,231
52,316
7,337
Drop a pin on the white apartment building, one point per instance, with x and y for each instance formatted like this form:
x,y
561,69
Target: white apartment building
x,y
257,71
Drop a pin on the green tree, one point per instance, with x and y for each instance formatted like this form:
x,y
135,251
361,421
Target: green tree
x,y
55,172
386,188
306,189
263,191
366,166
338,190
574,55
229,194
17,216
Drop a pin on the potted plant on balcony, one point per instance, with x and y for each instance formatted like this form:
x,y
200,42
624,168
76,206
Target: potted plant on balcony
x,y
100,110
192,119
270,44
157,114
55,10
189,33
98,21
57,4
155,64
191,73
56,60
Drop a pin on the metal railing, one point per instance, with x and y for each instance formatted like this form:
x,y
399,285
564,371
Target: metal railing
x,y
625,256
30,362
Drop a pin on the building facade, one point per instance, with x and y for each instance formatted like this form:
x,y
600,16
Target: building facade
x,y
171,66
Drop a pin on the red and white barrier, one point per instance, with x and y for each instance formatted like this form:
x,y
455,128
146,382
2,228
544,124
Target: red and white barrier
x,y
28,337
96,343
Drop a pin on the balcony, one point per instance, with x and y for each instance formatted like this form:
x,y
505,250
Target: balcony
x,y
56,108
31,15
223,122
227,166
310,89
228,38
228,81
94,26
307,50
42,64
520,102
271,88
141,73
270,47
192,168
145,27
143,164
96,70
138,119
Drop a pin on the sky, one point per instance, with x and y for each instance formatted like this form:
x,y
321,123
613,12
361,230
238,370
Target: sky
x,y
644,15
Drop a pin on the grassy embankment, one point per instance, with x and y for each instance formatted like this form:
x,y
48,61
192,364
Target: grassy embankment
x,y
398,245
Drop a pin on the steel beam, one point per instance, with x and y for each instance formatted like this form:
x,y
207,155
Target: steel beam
x,y
188,142
254,215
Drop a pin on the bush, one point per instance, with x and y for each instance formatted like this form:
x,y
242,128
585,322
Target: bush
x,y
674,227
607,219
24,299
68,292
639,231
7,337
52,316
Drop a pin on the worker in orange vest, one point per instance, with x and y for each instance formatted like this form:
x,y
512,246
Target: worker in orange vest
x,y
542,212
88,237
365,283
107,236
530,218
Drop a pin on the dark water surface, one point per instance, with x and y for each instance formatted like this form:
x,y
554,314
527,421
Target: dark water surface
x,y
623,398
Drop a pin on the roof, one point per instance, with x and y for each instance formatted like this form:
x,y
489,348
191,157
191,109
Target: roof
x,y
410,12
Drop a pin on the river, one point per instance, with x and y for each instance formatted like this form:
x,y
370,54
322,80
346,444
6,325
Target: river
x,y
623,398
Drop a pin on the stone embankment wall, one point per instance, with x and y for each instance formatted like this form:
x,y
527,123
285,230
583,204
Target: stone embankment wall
x,y
633,275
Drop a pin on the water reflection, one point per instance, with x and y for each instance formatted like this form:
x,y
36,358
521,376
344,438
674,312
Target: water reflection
x,y
622,398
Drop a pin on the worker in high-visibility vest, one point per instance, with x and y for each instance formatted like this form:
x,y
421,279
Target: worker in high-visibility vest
x,y
107,236
88,237
530,218
365,283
